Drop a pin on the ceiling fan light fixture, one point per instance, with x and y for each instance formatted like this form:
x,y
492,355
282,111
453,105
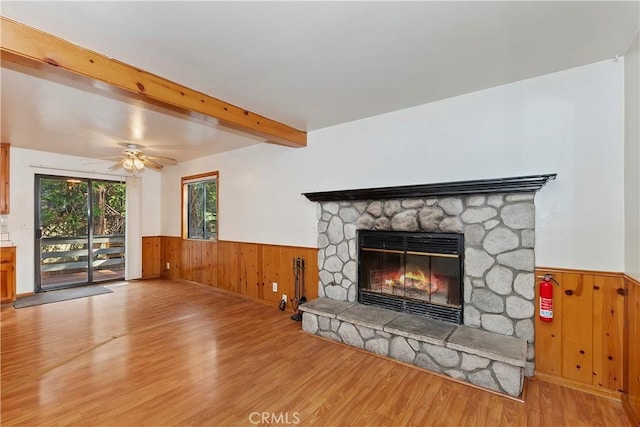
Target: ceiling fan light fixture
x,y
138,164
134,161
127,164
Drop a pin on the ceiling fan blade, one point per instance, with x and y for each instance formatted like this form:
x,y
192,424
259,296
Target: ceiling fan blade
x,y
94,162
152,164
114,158
117,165
167,160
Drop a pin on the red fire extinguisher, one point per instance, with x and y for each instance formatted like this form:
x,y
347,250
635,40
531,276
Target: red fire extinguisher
x,y
546,297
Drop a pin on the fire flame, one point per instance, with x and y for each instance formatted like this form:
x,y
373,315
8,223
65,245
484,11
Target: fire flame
x,y
417,279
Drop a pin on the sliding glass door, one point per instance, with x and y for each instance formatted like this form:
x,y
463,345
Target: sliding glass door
x,y
80,231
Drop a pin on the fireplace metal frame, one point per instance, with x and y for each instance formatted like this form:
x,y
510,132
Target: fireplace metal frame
x,y
409,242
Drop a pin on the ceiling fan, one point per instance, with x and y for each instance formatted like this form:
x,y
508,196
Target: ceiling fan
x,y
133,160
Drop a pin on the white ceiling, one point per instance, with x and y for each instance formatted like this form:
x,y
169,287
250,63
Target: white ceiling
x,y
307,64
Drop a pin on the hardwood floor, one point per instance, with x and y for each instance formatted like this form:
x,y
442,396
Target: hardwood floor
x,y
167,353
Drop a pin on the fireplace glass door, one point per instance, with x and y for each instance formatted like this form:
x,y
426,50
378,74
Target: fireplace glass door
x,y
420,276
418,273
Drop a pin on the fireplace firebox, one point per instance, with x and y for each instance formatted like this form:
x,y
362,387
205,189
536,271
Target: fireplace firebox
x,y
417,273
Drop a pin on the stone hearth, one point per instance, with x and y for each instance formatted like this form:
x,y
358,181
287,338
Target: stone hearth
x,y
488,360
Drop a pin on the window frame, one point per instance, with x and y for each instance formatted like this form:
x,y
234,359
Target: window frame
x,y
184,197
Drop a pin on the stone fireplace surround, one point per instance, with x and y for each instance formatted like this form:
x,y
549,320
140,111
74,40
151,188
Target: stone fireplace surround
x,y
497,218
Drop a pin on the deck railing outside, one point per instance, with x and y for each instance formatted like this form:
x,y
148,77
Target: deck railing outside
x,y
68,255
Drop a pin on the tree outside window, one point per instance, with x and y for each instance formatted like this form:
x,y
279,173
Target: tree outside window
x,y
200,206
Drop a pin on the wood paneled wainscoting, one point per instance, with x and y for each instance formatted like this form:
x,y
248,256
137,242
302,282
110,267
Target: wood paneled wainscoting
x,y
587,345
192,260
631,396
151,257
248,269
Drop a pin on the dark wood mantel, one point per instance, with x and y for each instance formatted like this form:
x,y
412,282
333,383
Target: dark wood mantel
x,y
518,184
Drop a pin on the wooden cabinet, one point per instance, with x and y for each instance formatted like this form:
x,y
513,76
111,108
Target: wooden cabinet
x,y
7,274
4,178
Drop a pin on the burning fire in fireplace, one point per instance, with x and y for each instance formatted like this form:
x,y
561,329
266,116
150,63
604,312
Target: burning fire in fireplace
x,y
418,273
410,281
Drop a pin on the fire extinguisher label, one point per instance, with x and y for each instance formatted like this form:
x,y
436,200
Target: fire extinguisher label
x,y
546,307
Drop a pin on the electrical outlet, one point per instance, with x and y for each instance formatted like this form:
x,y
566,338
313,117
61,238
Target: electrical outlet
x,y
274,287
168,266
284,297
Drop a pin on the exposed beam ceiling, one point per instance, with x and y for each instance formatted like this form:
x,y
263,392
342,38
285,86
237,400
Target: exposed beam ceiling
x,y
31,47
308,65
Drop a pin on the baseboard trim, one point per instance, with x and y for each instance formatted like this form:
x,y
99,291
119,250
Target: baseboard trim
x,y
575,385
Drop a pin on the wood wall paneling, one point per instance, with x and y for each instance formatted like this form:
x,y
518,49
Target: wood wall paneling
x,y
210,264
196,261
608,328
272,269
244,268
151,257
170,250
584,345
228,272
281,258
185,258
632,351
577,324
286,284
311,273
250,260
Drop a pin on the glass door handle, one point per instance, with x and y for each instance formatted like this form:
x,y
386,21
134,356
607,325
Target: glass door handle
x,y
39,233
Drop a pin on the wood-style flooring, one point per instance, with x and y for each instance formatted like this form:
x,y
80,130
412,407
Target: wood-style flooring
x,y
168,353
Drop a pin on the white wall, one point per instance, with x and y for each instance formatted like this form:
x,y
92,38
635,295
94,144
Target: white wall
x,y
151,202
21,218
569,122
632,159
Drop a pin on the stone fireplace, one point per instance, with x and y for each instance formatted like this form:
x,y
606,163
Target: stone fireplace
x,y
495,224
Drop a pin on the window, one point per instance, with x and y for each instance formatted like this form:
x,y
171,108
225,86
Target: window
x,y
200,206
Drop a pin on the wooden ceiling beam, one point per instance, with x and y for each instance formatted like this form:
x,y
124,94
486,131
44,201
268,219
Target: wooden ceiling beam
x,y
29,46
